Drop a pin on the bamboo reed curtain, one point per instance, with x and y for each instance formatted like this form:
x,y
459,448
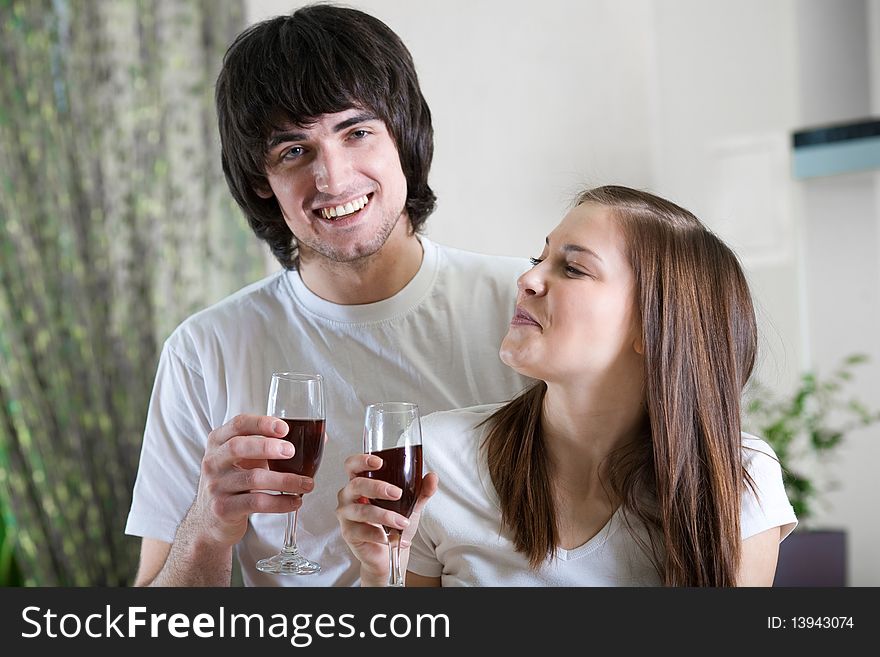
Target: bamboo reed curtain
x,y
116,224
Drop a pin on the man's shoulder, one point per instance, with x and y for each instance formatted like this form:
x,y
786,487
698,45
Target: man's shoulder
x,y
236,311
460,420
452,438
463,259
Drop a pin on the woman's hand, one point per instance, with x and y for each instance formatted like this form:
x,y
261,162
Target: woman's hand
x,y
362,522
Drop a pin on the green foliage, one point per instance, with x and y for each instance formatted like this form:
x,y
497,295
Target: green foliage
x,y
9,573
808,426
115,223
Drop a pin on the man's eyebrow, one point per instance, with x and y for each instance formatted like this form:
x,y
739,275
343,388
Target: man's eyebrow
x,y
363,117
282,137
577,248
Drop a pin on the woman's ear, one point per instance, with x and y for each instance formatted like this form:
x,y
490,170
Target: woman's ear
x,y
639,346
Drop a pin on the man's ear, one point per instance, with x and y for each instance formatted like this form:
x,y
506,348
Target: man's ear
x,y
263,190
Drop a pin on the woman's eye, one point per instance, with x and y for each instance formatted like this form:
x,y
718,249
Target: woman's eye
x,y
535,261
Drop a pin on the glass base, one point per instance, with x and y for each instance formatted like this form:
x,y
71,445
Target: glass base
x,y
288,562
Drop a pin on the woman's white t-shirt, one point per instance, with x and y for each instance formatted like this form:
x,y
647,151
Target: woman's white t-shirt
x,y
461,540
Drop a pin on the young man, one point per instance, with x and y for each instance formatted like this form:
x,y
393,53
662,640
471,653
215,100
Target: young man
x,y
326,146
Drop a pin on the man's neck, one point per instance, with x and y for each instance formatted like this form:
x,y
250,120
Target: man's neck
x,y
367,280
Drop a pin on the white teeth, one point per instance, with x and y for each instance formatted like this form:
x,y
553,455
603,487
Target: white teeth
x,y
343,210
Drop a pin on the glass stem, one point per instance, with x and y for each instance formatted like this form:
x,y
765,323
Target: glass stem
x,y
290,532
396,577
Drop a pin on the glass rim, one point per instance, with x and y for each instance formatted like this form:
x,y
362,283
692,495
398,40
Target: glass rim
x,y
393,407
297,376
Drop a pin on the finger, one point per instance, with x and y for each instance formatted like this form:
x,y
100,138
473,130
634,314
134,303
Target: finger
x,y
357,464
430,484
248,448
244,424
256,502
360,533
371,514
259,479
370,489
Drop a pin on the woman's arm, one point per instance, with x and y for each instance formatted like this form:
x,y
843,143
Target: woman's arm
x,y
757,565
420,580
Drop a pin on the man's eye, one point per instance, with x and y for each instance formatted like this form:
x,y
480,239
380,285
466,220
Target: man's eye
x,y
293,153
360,133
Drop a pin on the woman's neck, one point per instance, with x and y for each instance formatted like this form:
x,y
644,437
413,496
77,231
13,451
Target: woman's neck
x,y
582,425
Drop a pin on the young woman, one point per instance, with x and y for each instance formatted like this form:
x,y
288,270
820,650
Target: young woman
x,y
624,465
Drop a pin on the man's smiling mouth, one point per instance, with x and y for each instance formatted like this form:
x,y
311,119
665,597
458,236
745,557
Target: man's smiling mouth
x,y
340,211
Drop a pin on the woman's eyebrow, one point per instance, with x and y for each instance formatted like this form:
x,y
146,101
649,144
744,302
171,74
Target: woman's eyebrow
x,y
577,248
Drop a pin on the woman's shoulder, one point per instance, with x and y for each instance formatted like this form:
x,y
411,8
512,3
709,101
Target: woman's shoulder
x,y
765,502
756,448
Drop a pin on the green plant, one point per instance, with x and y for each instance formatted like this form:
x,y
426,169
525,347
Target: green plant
x,y
806,426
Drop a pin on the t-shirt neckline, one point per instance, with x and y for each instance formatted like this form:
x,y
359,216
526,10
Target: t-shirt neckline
x,y
411,295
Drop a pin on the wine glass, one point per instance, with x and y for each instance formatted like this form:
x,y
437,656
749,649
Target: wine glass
x,y
298,399
393,432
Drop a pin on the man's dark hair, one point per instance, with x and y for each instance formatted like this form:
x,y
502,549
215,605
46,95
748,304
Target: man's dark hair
x,y
319,60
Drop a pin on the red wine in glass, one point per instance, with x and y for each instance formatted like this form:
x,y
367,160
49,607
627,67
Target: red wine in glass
x,y
307,438
298,399
393,432
402,467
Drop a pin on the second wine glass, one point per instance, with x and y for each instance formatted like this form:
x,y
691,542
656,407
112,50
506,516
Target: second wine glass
x,y
393,432
298,399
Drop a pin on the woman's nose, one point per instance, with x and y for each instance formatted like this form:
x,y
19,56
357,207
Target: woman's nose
x,y
531,282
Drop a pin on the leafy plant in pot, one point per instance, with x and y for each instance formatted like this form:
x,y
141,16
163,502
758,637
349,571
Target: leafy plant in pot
x,y
804,429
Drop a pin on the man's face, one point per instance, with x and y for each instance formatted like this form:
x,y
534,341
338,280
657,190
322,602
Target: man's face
x,y
339,183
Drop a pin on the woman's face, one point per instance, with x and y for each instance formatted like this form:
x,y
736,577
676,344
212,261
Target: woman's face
x,y
575,318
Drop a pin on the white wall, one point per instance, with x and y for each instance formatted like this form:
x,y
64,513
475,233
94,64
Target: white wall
x,y
693,100
842,235
524,110
726,99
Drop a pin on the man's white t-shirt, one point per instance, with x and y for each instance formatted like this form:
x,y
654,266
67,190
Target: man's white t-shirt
x,y
434,343
460,538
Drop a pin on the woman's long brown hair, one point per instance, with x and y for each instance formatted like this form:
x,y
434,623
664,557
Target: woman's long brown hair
x,y
685,480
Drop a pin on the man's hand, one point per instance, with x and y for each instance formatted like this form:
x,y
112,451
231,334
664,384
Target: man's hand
x,y
235,477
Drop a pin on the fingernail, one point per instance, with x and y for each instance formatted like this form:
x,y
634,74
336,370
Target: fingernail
x,y
404,523
393,491
374,461
277,426
308,484
286,449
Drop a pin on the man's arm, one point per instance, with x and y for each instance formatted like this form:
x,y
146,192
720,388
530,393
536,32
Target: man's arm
x,y
233,476
153,556
186,562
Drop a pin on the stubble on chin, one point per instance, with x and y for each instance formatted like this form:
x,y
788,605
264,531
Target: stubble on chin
x,y
316,249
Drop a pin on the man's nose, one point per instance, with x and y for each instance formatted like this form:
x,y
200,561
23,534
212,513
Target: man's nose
x,y
332,171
